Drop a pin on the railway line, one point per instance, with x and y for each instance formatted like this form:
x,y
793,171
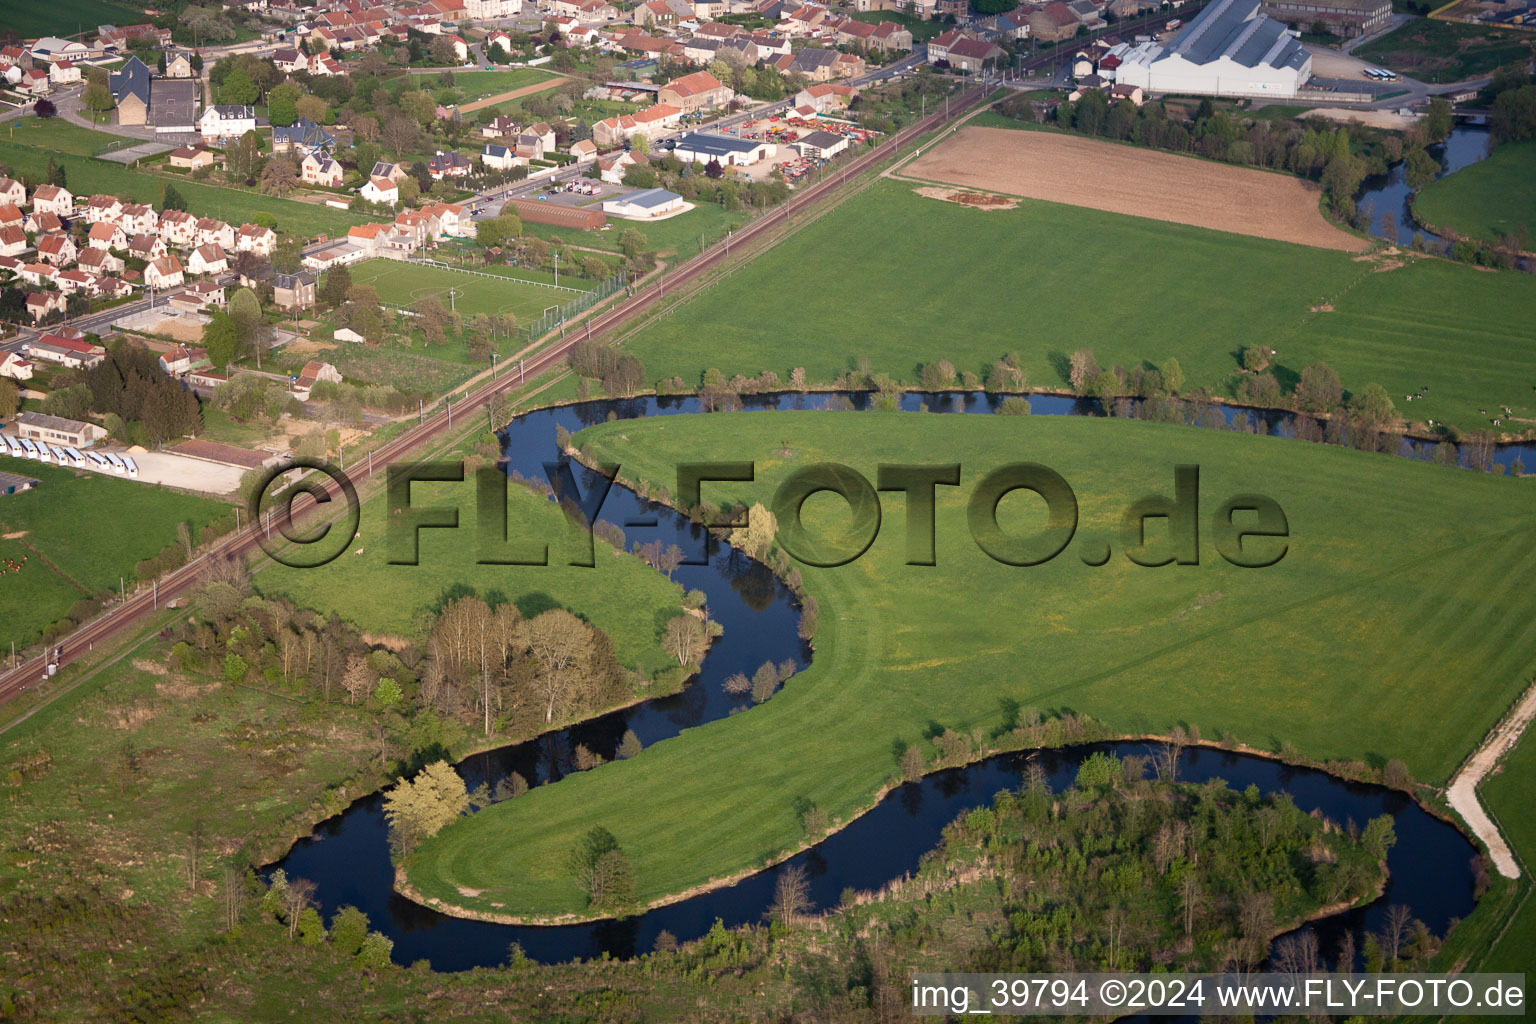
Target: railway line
x,y
145,604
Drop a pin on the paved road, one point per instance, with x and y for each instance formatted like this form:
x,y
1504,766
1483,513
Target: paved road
x,y
246,541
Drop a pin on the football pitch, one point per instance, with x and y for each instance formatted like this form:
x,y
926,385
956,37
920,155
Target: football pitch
x,y
404,284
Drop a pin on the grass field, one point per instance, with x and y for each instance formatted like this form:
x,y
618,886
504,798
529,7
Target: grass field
x,y
622,594
31,20
86,176
1510,795
1446,51
94,528
477,85
1404,588
402,284
1488,200
904,280
56,134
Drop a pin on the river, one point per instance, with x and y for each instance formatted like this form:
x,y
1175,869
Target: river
x,y
347,856
1389,193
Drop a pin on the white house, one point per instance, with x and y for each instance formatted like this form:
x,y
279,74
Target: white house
x,y
380,190
498,157
13,192
16,366
166,272
318,168
208,259
226,121
53,199
255,238
64,72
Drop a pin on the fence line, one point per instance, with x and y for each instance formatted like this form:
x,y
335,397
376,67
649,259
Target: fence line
x,y
427,262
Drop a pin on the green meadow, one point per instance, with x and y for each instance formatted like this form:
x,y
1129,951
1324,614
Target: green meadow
x,y
1488,200
402,284
1510,794
93,528
620,593
1393,627
901,280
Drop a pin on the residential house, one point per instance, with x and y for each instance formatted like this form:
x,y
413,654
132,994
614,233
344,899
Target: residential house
x,y
208,259
106,235
381,190
181,359
178,65
302,134
288,60
111,37
146,247
34,82
450,217
178,228
319,168
323,65
1053,22
41,304
492,154
499,127
15,366
191,158
113,287
586,149
58,249
45,223
11,216
313,373
53,199
974,55
826,97
37,273
138,218
13,192
72,281
165,272
498,38
819,65
13,240
294,291
208,293
216,231
64,72
255,238
100,262
102,208
226,121
696,92
450,165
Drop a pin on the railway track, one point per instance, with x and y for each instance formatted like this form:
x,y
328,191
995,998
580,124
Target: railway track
x,y
146,604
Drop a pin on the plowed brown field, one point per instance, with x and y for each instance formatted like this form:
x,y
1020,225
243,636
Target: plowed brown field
x,y
1130,180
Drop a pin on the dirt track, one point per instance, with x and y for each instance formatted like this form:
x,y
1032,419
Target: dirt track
x,y
1139,182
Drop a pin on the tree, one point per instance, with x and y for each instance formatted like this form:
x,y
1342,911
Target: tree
x,y
1083,369
632,243
243,159
238,88
255,332
560,643
171,199
1371,411
311,928
419,807
281,110
442,51
349,927
221,338
1319,389
10,398
335,286
358,680
1438,121
399,134
44,109
791,895
280,176
56,174
98,97
630,746
602,869
375,952
685,639
288,254
1173,376
410,190
314,108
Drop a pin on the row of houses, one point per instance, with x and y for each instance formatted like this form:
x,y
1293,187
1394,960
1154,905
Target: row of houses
x,y
408,232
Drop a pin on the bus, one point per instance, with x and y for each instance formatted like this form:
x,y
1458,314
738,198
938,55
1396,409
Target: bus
x,y
75,458
97,462
116,463
13,447
28,447
133,467
58,455
42,452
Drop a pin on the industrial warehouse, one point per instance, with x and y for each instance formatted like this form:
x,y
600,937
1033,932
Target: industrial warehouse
x,y
1230,49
